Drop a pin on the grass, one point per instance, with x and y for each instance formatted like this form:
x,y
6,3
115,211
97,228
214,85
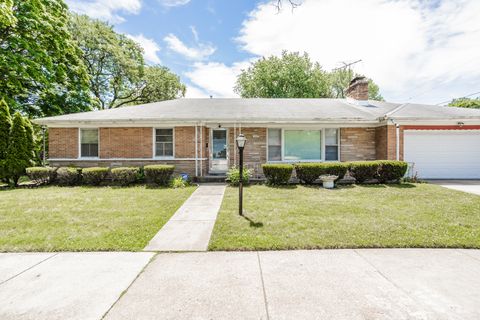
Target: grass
x,y
369,216
85,218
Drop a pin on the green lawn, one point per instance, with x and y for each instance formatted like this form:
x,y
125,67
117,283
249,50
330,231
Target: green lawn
x,y
84,218
408,215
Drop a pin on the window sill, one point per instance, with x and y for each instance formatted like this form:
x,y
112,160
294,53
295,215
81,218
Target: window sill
x,y
163,158
88,158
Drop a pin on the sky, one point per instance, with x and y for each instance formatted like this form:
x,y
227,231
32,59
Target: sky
x,y
415,50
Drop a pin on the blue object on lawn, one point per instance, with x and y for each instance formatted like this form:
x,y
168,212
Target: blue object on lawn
x,y
184,176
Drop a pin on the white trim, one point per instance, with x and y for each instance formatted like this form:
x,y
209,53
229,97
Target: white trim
x,y
79,156
210,149
154,144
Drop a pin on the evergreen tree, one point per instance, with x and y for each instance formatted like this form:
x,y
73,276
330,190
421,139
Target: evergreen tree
x,y
5,125
19,157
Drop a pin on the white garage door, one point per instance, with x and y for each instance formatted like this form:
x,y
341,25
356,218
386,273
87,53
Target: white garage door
x,y
443,154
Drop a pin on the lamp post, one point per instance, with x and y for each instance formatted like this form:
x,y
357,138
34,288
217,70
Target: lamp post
x,y
241,140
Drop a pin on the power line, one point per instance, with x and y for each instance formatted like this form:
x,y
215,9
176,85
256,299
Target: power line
x,y
468,95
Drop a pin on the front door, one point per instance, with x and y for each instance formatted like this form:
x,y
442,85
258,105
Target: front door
x,y
218,151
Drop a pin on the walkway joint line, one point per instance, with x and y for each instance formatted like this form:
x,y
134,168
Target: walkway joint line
x,y
263,286
29,268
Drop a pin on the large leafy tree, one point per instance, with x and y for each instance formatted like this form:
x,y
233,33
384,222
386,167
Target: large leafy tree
x,y
19,152
5,126
290,76
465,103
118,75
295,76
41,72
340,79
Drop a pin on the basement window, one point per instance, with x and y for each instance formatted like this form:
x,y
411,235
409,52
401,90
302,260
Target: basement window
x,y
89,143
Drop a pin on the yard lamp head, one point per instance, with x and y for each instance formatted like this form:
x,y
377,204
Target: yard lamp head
x,y
241,140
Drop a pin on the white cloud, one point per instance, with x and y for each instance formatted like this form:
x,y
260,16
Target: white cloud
x,y
173,3
195,92
200,52
150,48
216,79
108,10
423,50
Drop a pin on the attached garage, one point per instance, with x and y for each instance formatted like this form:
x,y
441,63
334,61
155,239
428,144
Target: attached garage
x,y
443,154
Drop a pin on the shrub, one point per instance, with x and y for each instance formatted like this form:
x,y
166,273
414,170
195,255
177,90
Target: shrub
x,y
309,172
233,176
41,175
68,175
159,174
125,175
363,170
277,174
179,182
389,170
94,175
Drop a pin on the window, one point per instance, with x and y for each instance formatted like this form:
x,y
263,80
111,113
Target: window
x,y
274,144
303,145
89,143
331,144
164,142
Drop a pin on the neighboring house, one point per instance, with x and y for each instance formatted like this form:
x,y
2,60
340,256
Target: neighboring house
x,y
198,135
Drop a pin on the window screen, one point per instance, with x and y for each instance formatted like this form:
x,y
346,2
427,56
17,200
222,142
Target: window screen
x,y
89,143
274,144
331,144
164,142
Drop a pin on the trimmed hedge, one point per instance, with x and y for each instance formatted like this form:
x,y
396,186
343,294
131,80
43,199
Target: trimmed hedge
x,y
94,175
159,174
277,174
309,172
390,170
68,175
125,175
363,170
42,175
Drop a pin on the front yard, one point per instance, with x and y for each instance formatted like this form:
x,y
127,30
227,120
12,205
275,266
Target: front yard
x,y
85,218
361,216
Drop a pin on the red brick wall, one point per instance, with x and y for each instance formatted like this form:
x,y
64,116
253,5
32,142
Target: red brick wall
x,y
126,143
63,143
357,144
255,152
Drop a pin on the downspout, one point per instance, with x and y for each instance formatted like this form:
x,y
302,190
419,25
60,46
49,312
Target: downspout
x,y
44,155
196,150
201,149
397,140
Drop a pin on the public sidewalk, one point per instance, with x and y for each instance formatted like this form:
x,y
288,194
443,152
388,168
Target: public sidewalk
x,y
317,284
191,226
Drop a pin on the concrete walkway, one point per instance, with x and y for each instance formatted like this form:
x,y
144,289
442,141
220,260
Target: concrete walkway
x,y
191,226
318,284
470,186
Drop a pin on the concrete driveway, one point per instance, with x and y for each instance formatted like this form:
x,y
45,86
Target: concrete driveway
x,y
317,284
470,186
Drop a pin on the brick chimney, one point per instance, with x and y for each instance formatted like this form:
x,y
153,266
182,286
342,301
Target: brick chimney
x,y
357,91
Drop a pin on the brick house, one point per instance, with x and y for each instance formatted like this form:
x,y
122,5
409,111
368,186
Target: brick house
x,y
198,135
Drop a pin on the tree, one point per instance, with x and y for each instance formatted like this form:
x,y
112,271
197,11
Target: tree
x,y
118,75
290,76
114,62
294,76
159,83
41,72
340,79
465,103
5,125
19,156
